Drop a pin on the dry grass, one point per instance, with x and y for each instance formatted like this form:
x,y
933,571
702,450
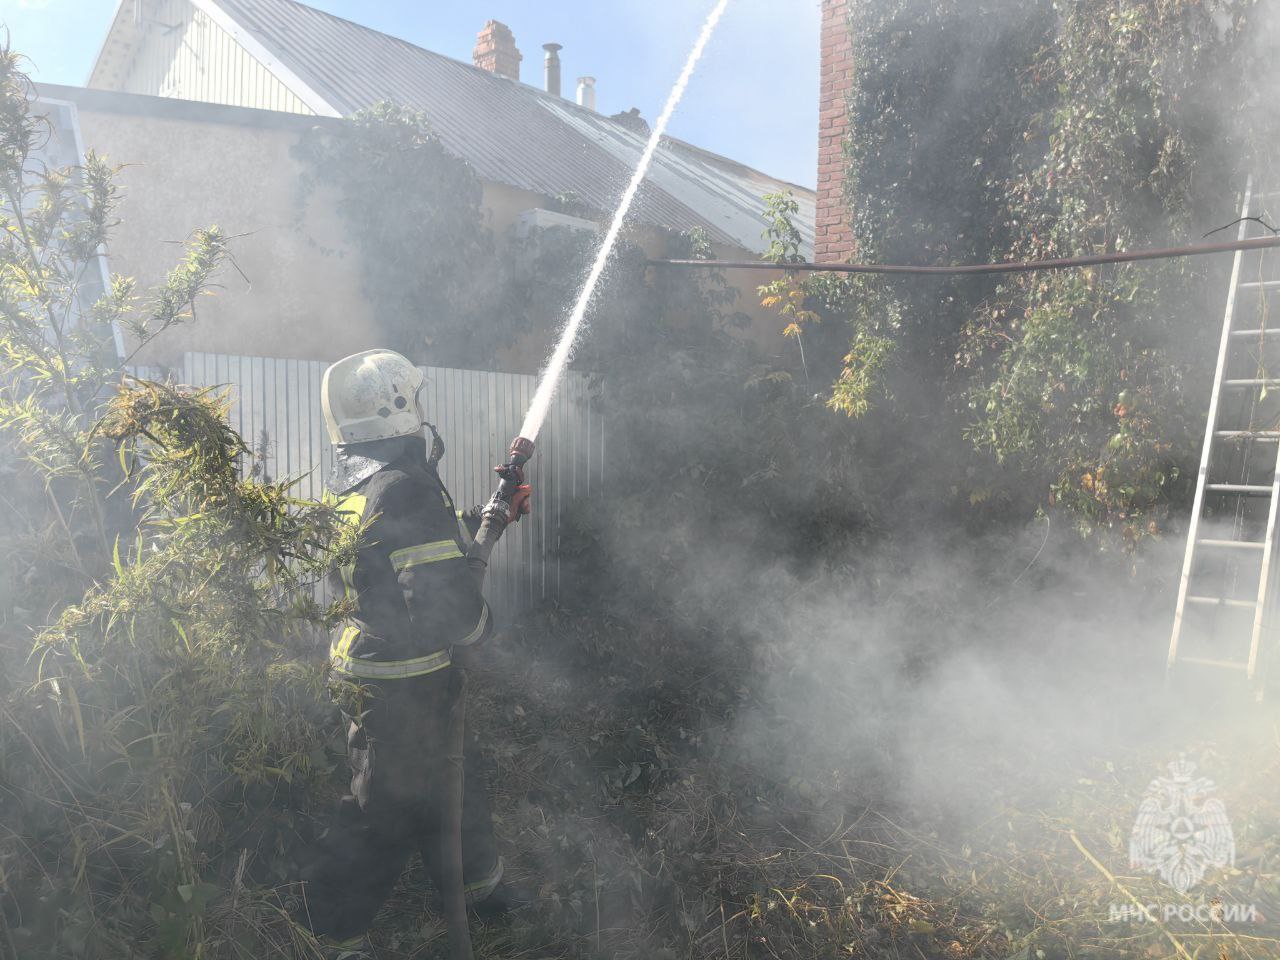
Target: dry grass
x,y
646,840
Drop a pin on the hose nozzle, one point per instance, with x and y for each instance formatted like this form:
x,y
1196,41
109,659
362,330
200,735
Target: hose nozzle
x,y
512,475
496,514
520,453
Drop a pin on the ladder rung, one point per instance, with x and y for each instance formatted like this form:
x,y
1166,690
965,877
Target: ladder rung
x,y
1257,332
1206,662
1269,382
1222,602
1246,489
1232,544
1247,434
1260,285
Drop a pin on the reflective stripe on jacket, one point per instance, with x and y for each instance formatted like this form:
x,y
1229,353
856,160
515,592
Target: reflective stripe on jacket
x,y
414,597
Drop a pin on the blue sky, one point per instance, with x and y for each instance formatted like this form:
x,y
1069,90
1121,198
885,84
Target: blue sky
x,y
754,98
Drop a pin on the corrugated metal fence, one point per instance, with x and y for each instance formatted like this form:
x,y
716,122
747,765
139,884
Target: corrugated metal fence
x,y
276,408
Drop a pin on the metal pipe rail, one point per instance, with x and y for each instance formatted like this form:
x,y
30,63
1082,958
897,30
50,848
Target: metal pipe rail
x,y
1023,266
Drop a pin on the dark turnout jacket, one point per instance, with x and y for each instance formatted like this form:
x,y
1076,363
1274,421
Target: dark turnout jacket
x,y
415,598
415,605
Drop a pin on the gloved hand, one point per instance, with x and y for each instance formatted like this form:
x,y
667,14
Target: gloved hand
x,y
520,505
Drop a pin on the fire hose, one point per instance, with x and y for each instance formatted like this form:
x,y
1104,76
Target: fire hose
x,y
501,510
454,895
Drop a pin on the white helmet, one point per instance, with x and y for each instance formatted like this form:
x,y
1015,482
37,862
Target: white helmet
x,y
371,396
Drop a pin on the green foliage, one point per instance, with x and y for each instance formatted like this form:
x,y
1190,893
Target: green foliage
x,y
156,703
780,210
171,702
447,290
57,348
1079,399
939,98
1008,130
1083,375
854,390
790,293
413,209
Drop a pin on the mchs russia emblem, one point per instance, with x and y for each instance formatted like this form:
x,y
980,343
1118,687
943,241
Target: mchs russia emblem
x,y
1181,829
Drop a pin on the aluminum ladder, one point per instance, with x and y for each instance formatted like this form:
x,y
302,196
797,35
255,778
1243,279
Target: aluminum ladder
x,y
1226,594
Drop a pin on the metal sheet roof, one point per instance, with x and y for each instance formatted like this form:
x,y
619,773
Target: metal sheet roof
x,y
516,134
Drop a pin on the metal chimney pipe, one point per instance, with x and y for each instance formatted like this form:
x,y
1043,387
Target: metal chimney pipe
x,y
587,92
553,68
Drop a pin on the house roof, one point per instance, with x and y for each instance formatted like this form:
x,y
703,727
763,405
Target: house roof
x,y
171,108
511,132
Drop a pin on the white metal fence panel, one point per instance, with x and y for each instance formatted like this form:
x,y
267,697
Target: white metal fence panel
x,y
275,405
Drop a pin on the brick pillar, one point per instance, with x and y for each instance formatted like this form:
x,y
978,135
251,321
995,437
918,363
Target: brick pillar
x,y
496,51
834,239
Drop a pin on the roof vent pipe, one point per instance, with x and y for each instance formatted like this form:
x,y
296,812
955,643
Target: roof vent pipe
x,y
587,92
553,67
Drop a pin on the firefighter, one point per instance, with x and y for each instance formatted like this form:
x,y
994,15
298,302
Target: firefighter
x,y
416,611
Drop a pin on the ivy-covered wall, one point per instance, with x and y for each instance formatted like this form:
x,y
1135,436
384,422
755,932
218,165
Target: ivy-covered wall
x,y
984,130
451,277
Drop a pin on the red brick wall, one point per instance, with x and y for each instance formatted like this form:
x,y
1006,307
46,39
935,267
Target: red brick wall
x,y
834,240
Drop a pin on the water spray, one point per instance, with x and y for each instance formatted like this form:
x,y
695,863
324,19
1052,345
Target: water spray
x,y
497,513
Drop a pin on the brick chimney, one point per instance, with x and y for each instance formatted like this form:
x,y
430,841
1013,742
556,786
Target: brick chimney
x,y
496,51
834,239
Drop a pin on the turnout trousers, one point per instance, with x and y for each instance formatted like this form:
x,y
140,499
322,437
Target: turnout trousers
x,y
396,748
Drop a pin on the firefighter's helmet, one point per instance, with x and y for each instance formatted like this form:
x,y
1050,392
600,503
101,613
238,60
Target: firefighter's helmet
x,y
372,396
